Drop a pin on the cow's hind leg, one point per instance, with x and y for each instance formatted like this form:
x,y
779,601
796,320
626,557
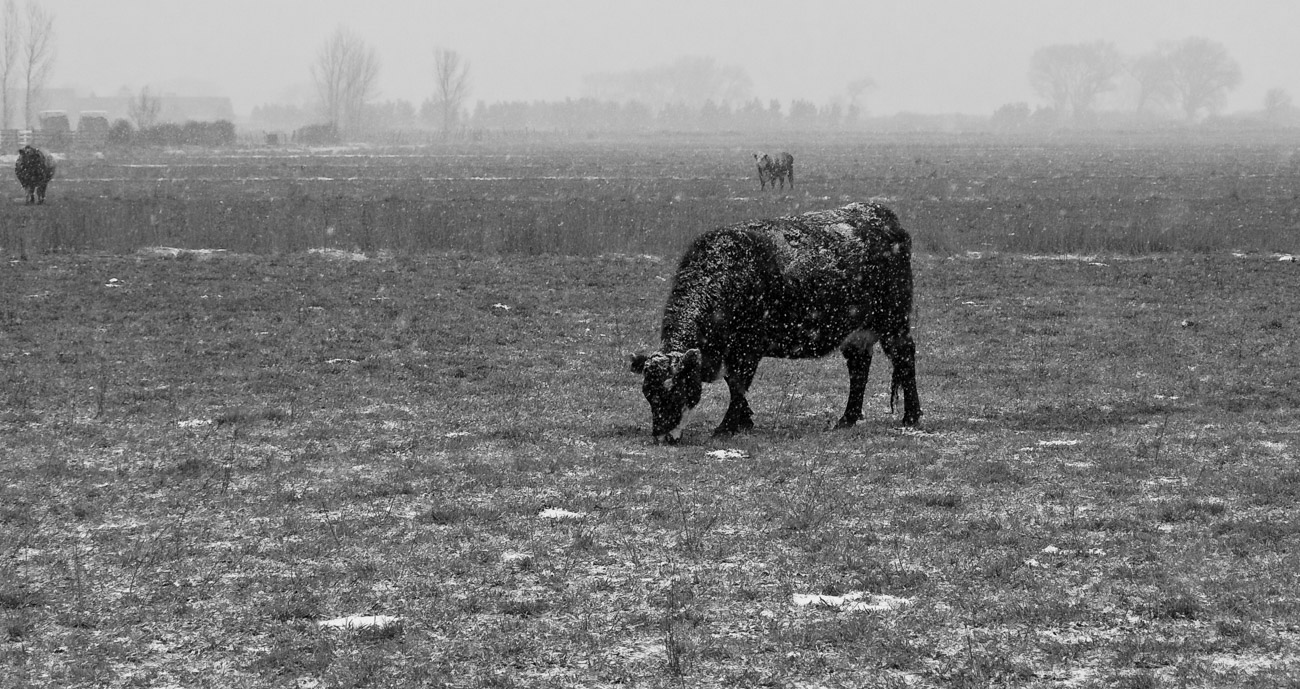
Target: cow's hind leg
x,y
739,417
858,359
40,194
901,351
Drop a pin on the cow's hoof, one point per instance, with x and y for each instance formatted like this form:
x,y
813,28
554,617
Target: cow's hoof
x,y
845,423
727,430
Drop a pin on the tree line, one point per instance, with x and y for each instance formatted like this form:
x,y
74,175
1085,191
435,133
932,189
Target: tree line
x,y
27,54
191,133
1187,80
690,93
574,114
1193,76
345,74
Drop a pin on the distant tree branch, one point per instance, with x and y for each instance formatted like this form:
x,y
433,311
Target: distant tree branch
x,y
144,109
451,85
11,39
1201,74
346,74
1071,77
37,55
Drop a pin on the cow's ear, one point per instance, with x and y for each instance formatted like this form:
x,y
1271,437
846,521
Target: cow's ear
x,y
638,362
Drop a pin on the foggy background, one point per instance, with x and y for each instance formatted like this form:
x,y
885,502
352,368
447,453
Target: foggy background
x,y
931,56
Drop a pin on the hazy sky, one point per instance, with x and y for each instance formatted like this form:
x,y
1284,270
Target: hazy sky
x,y
925,55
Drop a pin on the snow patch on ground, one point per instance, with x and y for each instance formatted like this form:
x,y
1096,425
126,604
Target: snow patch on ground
x,y
360,622
338,254
1084,258
559,514
174,252
854,601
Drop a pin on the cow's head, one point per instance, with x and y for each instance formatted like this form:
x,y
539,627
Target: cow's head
x,y
762,159
672,385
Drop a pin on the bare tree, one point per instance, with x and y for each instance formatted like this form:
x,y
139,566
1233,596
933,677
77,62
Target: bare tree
x,y
346,74
1278,105
1201,74
1154,79
451,85
11,36
858,88
37,55
1072,76
144,109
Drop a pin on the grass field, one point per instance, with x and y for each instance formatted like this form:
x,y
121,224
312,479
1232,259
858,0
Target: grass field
x,y
206,454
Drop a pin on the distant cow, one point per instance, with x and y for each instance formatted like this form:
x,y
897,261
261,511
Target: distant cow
x,y
773,169
795,287
35,169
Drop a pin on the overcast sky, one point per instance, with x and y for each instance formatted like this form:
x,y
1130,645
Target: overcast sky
x,y
965,56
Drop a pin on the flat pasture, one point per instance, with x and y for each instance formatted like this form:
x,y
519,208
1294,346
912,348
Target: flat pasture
x,y
1137,193
207,455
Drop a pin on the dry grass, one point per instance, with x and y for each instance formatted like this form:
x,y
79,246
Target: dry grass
x,y
203,459
1196,191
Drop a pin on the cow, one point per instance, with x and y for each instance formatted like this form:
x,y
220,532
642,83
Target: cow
x,y
774,169
795,287
35,169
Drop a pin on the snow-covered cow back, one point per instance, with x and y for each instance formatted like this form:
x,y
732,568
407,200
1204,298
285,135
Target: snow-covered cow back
x,y
795,287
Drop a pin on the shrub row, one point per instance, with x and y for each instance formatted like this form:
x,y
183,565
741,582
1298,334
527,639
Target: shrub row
x,y
219,133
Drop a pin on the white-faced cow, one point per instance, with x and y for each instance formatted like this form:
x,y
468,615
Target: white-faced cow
x,y
35,169
773,169
795,287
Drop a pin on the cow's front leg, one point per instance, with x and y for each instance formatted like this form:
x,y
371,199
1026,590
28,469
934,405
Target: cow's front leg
x,y
858,359
739,417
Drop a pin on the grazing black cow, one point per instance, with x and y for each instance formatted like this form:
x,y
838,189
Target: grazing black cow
x,y
35,169
774,169
795,287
